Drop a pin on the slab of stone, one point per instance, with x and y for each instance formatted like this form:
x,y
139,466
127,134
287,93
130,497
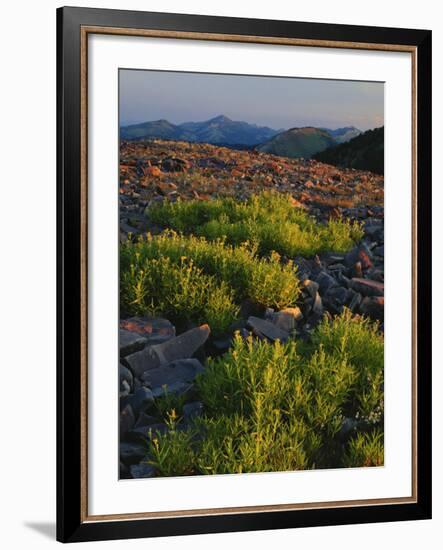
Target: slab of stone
x,y
127,420
142,470
266,329
180,347
339,293
287,318
125,375
367,287
172,377
145,420
154,329
130,342
317,306
132,453
141,400
311,287
374,307
325,281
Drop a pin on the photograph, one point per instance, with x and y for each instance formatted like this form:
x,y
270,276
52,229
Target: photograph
x,y
251,274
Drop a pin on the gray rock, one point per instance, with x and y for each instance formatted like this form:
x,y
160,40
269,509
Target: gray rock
x,y
154,329
125,390
130,342
174,377
127,420
367,287
142,470
132,453
266,329
339,294
360,253
317,306
355,301
287,318
325,281
175,388
140,434
180,347
145,420
141,400
311,287
125,375
374,307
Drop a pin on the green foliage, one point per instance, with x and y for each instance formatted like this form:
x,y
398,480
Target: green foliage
x,y
268,220
179,291
365,449
276,407
186,277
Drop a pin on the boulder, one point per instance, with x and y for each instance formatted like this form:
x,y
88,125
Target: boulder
x,y
127,420
180,347
154,329
125,375
141,400
367,287
311,287
317,306
132,453
175,377
374,307
142,470
287,318
130,342
263,328
325,281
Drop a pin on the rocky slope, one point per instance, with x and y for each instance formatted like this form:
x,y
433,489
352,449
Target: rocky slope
x,y
151,353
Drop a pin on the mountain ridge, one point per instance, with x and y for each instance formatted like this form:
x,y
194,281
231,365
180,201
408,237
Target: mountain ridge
x,y
222,130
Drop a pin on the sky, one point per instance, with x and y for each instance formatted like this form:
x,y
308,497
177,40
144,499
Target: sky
x,y
277,102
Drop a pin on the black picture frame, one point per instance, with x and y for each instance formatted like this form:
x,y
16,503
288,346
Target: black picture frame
x,y
71,525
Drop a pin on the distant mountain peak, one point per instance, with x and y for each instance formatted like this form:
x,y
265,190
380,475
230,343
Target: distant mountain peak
x,y
220,118
217,130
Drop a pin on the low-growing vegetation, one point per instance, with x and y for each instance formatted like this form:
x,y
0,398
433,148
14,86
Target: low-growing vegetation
x,y
269,220
276,407
190,278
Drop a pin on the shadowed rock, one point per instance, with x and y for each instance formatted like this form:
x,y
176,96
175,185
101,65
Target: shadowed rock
x,y
180,347
374,307
127,420
173,377
367,287
142,470
287,318
139,401
130,342
267,329
154,329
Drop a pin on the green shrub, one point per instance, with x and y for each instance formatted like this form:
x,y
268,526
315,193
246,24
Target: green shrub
x,y
180,291
269,220
189,277
365,449
276,407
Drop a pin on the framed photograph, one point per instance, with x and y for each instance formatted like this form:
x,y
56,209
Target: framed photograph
x,y
236,200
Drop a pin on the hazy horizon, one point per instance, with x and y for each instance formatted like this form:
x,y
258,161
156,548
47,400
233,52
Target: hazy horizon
x,y
276,102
